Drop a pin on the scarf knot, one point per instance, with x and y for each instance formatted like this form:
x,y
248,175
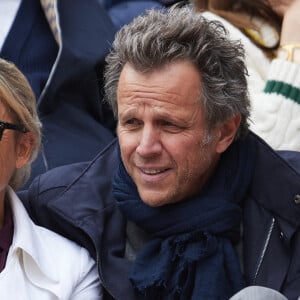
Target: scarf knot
x,y
193,246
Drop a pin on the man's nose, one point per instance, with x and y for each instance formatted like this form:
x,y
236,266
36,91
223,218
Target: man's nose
x,y
150,142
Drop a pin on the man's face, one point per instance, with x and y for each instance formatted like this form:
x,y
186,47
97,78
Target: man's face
x,y
162,133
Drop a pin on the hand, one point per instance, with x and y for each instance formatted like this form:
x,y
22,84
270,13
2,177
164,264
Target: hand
x,y
290,32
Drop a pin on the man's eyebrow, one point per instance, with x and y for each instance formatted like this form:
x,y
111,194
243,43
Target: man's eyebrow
x,y
128,113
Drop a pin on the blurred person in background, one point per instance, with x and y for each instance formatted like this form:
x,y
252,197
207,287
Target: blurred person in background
x,y
269,31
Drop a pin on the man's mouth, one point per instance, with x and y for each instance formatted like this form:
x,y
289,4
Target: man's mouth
x,y
153,171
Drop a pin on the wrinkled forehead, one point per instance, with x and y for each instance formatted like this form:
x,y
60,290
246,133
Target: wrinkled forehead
x,y
176,81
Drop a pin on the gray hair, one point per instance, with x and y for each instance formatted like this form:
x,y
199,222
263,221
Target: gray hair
x,y
161,37
16,94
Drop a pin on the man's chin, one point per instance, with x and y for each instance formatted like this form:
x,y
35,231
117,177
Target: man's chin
x,y
155,199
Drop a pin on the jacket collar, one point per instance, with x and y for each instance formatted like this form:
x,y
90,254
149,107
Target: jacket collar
x,y
27,241
276,183
101,219
271,216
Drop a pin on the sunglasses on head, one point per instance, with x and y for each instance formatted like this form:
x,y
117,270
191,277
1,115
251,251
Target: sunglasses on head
x,y
5,125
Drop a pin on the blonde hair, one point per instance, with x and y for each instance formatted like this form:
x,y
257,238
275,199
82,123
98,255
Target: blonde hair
x,y
16,94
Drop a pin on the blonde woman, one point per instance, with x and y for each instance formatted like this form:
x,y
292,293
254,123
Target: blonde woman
x,y
35,263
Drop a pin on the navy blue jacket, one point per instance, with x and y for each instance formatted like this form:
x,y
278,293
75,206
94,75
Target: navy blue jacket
x,y
76,201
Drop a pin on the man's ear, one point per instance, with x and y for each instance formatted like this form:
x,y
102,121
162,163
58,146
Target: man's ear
x,y
226,132
25,144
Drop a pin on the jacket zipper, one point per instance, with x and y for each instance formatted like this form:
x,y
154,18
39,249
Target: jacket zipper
x,y
264,250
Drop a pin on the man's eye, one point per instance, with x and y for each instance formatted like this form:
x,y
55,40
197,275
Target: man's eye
x,y
171,127
166,123
132,122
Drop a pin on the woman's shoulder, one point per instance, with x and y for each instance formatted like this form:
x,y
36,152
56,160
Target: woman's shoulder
x,y
62,249
62,260
48,257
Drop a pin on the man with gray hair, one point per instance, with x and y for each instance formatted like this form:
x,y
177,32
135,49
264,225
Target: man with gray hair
x,y
187,203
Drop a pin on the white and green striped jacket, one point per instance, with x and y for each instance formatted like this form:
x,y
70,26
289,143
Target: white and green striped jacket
x,y
274,86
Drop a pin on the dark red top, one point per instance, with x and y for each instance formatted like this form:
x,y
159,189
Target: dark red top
x,y
6,235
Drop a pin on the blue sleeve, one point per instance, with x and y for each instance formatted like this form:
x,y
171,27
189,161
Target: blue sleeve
x,y
122,12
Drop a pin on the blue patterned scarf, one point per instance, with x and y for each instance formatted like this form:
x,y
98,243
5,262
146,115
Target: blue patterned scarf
x,y
191,253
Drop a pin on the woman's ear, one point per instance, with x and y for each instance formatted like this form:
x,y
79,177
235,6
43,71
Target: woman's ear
x,y
24,147
227,131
